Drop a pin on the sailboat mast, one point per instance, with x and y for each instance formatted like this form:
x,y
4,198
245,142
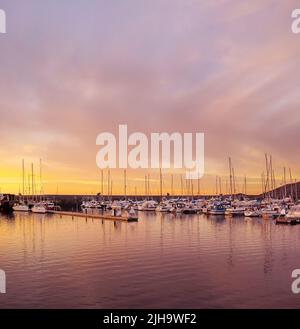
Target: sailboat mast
x,y
284,181
160,183
32,183
291,182
271,176
125,184
29,185
233,177
267,170
102,182
181,185
263,184
23,177
108,184
230,175
192,188
275,183
41,184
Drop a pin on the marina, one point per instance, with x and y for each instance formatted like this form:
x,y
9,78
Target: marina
x,y
120,208
107,250
149,160
279,203
56,261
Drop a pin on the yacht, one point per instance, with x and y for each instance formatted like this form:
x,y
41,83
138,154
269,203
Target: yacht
x,y
217,209
294,213
238,211
21,207
164,207
39,208
252,212
50,205
148,206
189,209
271,211
177,207
90,204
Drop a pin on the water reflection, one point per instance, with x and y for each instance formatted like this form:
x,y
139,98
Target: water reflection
x,y
164,260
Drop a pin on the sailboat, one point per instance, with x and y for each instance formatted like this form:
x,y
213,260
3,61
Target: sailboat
x,y
164,206
218,209
294,213
252,212
132,216
21,207
39,208
148,205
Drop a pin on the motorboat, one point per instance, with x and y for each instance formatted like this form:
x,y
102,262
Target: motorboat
x,y
21,207
39,208
217,209
177,207
294,213
164,207
271,211
149,205
252,213
238,211
189,209
90,204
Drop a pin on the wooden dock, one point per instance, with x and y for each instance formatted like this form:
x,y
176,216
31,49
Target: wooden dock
x,y
94,216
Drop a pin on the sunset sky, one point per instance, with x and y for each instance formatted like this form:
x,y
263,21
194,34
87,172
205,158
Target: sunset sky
x,y
70,70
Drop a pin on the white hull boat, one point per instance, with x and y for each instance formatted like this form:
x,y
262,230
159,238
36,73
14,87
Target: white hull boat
x,y
38,209
294,213
252,213
148,206
235,211
20,207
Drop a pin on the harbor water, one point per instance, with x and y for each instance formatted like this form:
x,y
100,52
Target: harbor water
x,y
162,261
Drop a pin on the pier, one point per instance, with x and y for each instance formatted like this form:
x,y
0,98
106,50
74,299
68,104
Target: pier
x,y
94,216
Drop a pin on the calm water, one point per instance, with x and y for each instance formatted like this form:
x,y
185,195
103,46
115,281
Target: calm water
x,y
162,261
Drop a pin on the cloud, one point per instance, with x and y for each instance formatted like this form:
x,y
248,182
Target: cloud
x,y
69,72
